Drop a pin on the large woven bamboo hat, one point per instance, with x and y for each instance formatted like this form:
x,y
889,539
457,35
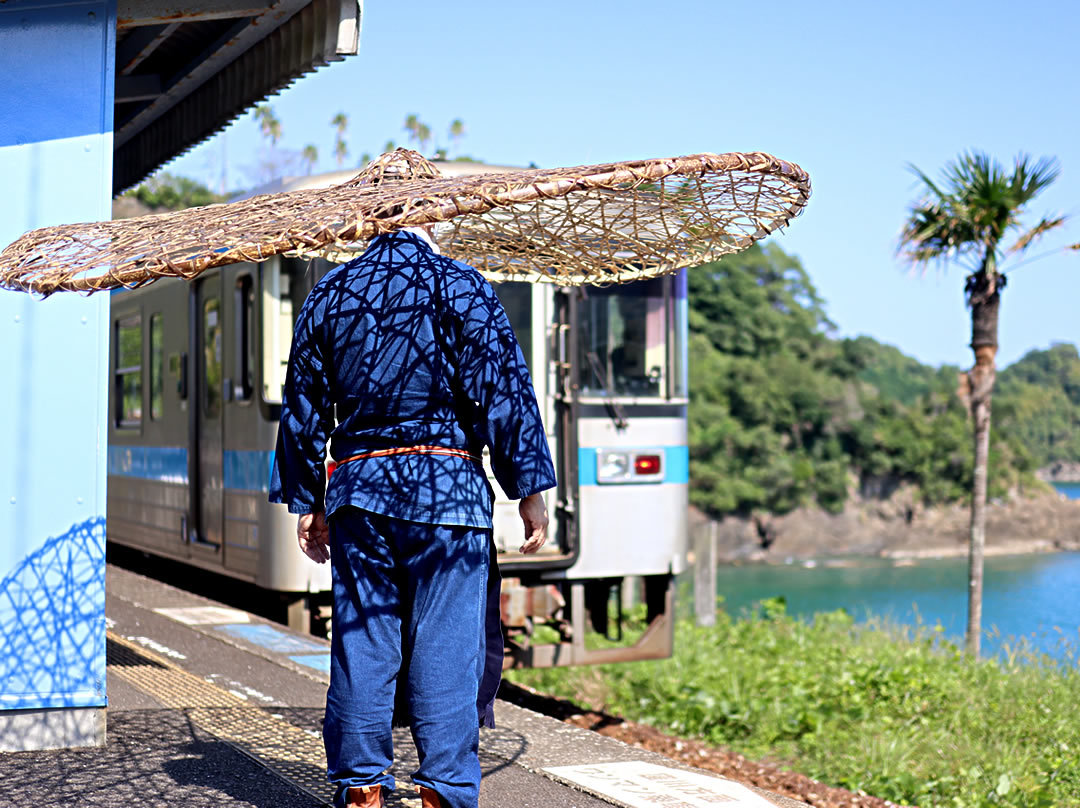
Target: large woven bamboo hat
x,y
588,224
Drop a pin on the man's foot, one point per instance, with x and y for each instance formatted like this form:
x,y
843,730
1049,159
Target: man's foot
x,y
429,798
366,796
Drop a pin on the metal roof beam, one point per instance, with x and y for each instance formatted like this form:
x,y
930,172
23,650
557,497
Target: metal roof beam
x,y
137,88
323,31
139,44
139,13
168,82
242,36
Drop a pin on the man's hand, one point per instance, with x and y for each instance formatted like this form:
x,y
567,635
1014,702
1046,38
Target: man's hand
x,y
314,536
535,517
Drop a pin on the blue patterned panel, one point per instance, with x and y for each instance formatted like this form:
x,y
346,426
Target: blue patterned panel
x,y
52,622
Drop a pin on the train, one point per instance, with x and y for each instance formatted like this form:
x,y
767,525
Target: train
x,y
196,372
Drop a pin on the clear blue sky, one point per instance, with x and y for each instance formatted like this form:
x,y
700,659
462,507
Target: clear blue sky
x,y
851,91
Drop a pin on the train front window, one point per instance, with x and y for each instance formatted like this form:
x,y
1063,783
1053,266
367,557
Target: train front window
x,y
631,341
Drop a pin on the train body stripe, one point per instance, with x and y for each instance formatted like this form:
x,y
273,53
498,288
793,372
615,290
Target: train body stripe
x,y
165,464
248,469
676,464
243,469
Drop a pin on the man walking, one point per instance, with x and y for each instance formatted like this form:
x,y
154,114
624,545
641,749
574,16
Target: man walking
x,y
405,361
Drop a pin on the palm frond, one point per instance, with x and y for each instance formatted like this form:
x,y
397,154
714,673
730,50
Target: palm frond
x,y
1045,225
927,181
1028,181
971,210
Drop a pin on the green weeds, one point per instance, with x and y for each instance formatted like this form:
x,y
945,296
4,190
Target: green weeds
x,y
897,713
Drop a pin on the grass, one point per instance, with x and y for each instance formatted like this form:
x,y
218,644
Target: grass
x,y
896,712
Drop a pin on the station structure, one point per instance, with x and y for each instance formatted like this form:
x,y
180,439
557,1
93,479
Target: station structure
x,y
96,95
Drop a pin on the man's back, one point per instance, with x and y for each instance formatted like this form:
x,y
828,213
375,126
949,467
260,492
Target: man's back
x,y
389,335
409,349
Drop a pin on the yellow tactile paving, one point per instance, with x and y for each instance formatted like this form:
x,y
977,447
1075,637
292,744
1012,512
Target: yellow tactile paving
x,y
291,752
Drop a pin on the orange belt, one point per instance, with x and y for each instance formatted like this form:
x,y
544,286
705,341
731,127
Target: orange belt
x,y
420,449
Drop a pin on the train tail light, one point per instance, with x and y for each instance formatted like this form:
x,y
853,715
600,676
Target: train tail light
x,y
648,464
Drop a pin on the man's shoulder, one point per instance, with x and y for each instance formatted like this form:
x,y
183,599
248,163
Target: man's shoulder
x,y
457,274
372,268
461,272
330,281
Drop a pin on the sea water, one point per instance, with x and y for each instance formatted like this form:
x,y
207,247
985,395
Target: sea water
x,y
1035,597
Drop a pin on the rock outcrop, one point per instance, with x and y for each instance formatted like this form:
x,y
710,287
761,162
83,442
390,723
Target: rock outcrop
x,y
897,526
1060,471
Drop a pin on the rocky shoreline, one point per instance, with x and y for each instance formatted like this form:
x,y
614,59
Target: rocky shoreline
x,y
1065,471
896,527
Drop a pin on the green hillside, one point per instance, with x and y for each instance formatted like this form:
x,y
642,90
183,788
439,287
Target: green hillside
x,y
1038,400
783,414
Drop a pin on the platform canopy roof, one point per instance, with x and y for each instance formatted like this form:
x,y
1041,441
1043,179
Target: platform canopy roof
x,y
186,68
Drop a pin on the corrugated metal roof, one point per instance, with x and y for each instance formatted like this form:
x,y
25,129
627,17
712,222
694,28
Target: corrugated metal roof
x,y
211,69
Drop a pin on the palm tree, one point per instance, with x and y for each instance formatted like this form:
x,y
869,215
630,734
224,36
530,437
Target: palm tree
x,y
269,123
412,123
309,157
340,122
418,131
457,132
966,219
423,136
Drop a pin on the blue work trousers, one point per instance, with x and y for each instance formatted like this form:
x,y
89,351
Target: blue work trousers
x,y
410,595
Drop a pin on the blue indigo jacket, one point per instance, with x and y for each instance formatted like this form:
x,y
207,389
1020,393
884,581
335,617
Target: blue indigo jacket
x,y
403,347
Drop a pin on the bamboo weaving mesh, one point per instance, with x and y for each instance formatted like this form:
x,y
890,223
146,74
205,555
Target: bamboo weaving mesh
x,y
590,224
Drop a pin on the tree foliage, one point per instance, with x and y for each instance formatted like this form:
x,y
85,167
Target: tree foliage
x,y
1039,397
782,414
168,192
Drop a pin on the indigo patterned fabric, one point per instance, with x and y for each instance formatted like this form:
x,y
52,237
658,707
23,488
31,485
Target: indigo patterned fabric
x,y
407,348
408,622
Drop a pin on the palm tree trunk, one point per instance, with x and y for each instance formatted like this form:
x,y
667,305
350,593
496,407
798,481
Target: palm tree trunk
x,y
985,299
980,412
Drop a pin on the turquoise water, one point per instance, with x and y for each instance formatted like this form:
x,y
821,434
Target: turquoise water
x,y
1069,488
1032,596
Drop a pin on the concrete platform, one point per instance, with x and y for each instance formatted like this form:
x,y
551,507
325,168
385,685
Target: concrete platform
x,y
214,707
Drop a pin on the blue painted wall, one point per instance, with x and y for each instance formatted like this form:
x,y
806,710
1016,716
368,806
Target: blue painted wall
x,y
56,102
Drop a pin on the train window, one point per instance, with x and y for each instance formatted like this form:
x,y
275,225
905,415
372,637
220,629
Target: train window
x,y
516,297
282,297
212,357
624,340
244,303
129,372
157,362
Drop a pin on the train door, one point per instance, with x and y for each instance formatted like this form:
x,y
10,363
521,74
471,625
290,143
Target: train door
x,y
206,443
563,397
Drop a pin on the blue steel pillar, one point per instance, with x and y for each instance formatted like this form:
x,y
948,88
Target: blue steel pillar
x,y
56,101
